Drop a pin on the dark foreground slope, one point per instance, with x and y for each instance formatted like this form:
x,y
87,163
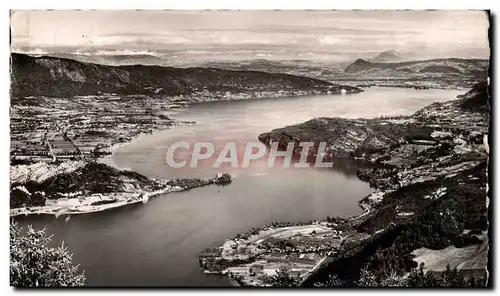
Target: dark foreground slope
x,y
59,77
430,199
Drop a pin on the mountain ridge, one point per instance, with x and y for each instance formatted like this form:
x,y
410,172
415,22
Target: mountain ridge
x,y
52,76
387,56
468,67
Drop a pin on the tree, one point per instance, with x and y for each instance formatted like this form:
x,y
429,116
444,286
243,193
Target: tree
x,y
367,279
333,282
34,264
393,281
418,278
283,279
450,278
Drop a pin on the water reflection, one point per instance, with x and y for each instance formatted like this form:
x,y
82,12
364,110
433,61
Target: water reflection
x,y
157,243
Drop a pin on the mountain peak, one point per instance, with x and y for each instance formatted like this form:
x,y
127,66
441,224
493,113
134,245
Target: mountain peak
x,y
360,62
392,52
358,65
387,56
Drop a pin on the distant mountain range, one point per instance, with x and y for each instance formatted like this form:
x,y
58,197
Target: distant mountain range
x,y
452,66
55,76
388,56
61,76
112,60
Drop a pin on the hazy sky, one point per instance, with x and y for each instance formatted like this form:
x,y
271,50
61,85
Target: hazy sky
x,y
332,35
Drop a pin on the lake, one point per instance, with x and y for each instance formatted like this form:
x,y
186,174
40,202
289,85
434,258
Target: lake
x,y
157,243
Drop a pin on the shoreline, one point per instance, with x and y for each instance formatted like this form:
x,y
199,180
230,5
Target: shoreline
x,y
85,208
108,159
125,198
392,201
321,239
367,204
240,99
98,202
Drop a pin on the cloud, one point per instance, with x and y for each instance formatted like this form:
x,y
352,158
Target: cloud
x,y
231,31
327,40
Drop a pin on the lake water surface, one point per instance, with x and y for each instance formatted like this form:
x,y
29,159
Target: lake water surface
x,y
157,243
